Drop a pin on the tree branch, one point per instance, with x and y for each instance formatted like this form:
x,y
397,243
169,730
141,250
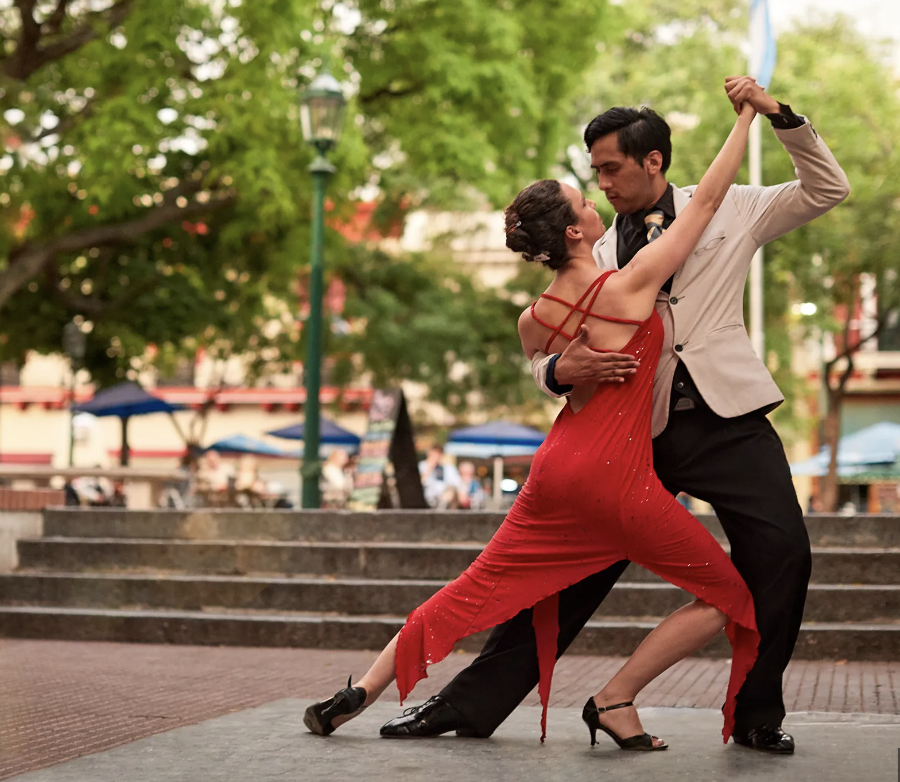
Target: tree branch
x,y
29,259
845,375
387,92
67,123
849,351
96,308
55,20
31,30
29,56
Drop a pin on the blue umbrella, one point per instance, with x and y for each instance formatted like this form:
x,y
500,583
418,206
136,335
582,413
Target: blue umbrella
x,y
124,401
241,443
329,434
496,439
878,444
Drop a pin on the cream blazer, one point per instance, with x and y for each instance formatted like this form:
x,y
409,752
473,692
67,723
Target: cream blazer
x,y
703,315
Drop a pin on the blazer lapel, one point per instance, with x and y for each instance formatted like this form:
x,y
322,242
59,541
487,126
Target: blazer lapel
x,y
680,199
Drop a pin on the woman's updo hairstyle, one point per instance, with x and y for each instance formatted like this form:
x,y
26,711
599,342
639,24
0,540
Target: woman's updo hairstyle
x,y
536,223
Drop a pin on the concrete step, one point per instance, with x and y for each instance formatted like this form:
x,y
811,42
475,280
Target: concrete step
x,y
441,562
826,602
246,628
274,525
385,526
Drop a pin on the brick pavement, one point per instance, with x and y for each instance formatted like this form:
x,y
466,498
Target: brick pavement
x,y
64,699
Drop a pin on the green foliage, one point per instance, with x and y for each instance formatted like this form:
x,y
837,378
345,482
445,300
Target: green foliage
x,y
473,94
169,204
420,318
167,185
854,95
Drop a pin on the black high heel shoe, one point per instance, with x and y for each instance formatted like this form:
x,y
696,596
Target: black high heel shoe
x,y
591,716
318,717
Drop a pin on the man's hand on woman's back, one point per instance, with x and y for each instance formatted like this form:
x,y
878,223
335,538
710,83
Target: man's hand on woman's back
x,y
579,365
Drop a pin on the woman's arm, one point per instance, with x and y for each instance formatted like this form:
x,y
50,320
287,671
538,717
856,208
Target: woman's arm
x,y
658,261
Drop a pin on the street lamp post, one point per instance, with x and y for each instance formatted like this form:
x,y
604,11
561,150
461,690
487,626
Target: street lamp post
x,y
74,345
321,116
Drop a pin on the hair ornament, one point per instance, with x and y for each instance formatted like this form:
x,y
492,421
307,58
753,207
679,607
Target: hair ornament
x,y
514,226
542,257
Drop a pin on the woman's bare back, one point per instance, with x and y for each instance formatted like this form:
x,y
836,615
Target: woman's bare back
x,y
555,309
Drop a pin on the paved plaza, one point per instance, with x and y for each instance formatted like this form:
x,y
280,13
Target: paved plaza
x,y
96,711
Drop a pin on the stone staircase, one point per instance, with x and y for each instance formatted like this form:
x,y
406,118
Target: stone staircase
x,y
341,580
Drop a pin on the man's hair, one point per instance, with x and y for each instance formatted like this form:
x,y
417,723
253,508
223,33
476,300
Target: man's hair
x,y
640,132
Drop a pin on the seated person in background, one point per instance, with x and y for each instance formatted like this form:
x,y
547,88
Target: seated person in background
x,y
214,476
247,481
336,482
439,480
470,495
93,490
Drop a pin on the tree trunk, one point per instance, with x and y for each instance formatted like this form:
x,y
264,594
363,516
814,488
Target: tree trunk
x,y
828,491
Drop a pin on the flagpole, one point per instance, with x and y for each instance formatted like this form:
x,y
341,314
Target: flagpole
x,y
757,330
761,64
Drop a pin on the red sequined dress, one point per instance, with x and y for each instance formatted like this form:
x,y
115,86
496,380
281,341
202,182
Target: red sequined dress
x,y
591,499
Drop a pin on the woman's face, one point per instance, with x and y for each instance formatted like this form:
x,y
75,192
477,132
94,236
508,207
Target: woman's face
x,y
589,220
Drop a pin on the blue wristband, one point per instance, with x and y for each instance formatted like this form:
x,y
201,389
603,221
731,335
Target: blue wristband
x,y
552,385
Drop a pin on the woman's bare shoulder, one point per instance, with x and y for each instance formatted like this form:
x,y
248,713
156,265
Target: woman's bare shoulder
x,y
529,332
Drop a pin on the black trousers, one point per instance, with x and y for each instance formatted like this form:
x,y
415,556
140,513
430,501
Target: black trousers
x,y
737,465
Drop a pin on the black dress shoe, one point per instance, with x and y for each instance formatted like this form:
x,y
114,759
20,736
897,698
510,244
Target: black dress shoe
x,y
766,738
432,718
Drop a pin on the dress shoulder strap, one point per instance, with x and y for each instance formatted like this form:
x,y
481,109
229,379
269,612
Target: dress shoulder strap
x,y
595,287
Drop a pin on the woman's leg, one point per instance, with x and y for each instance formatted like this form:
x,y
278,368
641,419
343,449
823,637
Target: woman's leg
x,y
674,545
376,680
677,636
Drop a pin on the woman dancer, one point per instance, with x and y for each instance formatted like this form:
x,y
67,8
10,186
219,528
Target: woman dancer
x,y
592,497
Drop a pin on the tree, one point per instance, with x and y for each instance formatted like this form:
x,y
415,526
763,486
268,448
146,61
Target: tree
x,y
148,187
113,112
156,182
469,99
419,318
854,93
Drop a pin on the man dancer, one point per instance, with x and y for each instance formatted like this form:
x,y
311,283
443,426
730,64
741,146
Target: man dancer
x,y
711,397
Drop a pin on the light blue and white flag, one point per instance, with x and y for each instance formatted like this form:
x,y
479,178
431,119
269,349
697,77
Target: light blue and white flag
x,y
762,43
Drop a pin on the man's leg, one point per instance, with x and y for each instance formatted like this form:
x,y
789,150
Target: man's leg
x,y
738,465
488,691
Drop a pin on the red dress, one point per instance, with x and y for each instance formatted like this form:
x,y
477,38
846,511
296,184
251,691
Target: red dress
x,y
591,499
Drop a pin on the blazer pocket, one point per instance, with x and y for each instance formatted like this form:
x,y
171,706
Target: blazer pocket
x,y
726,328
712,244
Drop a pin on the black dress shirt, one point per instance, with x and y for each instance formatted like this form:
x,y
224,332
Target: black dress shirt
x,y
631,236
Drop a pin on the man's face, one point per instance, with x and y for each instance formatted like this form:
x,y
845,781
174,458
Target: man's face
x,y
628,185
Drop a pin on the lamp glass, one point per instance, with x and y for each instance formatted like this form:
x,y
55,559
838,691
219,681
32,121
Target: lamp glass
x,y
322,112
